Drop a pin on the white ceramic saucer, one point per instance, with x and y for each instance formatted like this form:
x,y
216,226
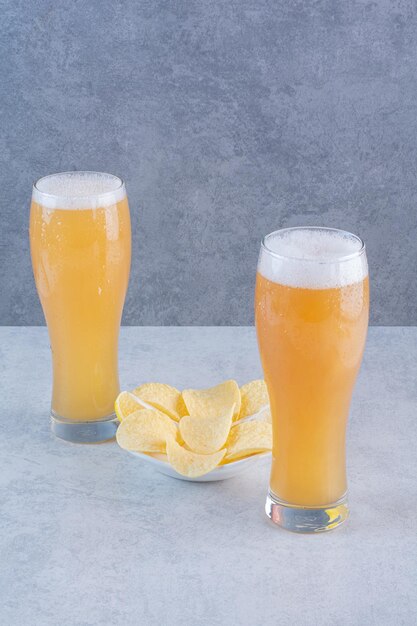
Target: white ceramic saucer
x,y
222,472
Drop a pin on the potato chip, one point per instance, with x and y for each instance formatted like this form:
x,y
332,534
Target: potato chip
x,y
143,404
214,401
145,431
254,397
189,463
264,415
248,438
126,403
205,434
163,397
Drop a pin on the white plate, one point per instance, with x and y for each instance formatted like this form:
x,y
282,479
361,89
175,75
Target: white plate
x,y
219,473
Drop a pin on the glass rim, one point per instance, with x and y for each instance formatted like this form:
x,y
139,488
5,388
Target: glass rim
x,y
336,259
102,195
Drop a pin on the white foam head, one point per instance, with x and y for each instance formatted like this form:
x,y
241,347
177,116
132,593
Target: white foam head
x,y
78,190
313,258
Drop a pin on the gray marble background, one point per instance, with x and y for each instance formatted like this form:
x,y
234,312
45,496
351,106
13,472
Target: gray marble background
x,y
228,119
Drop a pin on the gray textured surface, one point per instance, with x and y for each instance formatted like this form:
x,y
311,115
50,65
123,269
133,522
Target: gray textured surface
x,y
90,536
228,120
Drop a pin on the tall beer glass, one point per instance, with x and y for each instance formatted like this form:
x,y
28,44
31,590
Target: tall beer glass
x,y
311,310
80,244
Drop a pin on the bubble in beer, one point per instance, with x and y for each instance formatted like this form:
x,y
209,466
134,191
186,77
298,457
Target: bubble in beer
x,y
312,258
78,190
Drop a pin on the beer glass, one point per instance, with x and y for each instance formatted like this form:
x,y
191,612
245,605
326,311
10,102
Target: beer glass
x,y
311,310
80,246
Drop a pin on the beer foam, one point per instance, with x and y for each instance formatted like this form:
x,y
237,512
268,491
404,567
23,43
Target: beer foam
x,y
78,190
313,258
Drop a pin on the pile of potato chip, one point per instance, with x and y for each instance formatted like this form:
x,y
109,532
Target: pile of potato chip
x,y
197,429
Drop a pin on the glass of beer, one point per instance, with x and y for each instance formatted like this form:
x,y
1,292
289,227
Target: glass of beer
x,y
311,310
80,245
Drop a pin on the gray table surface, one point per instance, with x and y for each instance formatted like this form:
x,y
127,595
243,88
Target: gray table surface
x,y
89,535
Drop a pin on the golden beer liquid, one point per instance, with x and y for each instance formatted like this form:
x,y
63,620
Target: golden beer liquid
x,y
81,262
311,343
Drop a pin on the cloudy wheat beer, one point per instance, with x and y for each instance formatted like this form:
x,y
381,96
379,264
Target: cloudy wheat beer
x,y
80,246
311,309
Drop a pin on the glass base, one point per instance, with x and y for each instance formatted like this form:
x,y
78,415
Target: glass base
x,y
300,519
84,432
